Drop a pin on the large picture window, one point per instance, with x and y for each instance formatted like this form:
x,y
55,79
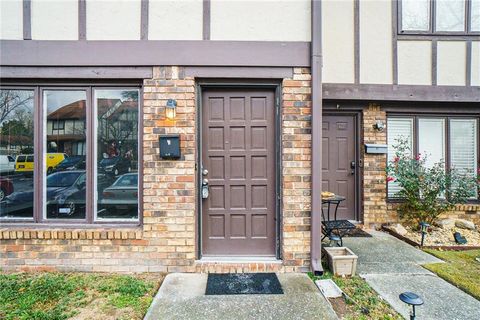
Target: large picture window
x,y
454,140
439,16
69,154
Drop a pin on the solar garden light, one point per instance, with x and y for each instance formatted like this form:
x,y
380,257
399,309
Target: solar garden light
x,y
411,299
423,228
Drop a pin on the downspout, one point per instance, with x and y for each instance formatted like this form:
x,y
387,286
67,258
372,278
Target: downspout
x,y
316,71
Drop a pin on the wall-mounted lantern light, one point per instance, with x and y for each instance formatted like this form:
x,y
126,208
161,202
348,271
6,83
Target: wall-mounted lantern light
x,y
170,110
379,125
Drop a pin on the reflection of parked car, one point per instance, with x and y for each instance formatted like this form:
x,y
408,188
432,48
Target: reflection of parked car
x,y
7,164
24,162
71,163
65,195
115,165
6,188
123,193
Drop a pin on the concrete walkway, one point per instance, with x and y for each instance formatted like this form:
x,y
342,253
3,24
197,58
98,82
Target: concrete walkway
x,y
391,267
182,296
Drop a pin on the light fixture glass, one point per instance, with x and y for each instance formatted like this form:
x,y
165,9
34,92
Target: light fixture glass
x,y
170,109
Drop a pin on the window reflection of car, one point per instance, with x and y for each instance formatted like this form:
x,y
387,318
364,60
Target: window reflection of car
x,y
6,188
65,195
122,194
115,165
71,163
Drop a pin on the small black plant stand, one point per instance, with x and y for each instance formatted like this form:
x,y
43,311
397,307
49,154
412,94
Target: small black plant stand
x,y
334,227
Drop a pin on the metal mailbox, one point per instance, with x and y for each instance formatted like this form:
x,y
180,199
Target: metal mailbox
x,y
376,148
170,146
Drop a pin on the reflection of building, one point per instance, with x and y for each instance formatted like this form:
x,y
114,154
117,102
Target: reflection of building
x,y
66,129
117,121
14,144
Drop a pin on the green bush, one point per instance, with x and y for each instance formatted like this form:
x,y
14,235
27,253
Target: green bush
x,y
427,191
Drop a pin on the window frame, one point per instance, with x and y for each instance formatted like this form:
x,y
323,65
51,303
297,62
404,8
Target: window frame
x,y
415,139
467,29
40,130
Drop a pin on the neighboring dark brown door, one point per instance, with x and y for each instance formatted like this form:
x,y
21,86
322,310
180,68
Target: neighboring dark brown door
x,y
338,174
238,150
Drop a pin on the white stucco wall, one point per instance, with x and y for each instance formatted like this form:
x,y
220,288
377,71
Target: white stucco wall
x,y
175,20
11,19
338,42
475,76
376,42
415,62
54,19
113,19
262,20
451,63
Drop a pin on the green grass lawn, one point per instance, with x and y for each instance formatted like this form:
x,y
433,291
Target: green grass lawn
x,y
460,269
365,303
55,296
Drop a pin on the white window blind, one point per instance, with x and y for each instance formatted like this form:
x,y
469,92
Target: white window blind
x,y
431,140
398,128
463,145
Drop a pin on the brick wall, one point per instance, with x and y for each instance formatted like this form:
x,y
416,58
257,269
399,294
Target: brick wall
x,y
296,175
166,241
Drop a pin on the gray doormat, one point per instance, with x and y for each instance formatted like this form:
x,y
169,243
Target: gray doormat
x,y
243,283
357,233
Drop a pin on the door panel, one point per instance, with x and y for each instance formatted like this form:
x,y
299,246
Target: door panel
x,y
338,152
238,150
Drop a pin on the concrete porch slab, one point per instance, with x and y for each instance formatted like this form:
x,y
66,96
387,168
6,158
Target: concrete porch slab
x,y
182,296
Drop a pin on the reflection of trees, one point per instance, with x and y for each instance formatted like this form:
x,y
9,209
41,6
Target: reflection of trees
x,y
11,100
119,123
16,118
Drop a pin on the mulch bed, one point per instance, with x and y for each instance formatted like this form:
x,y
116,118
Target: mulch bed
x,y
416,244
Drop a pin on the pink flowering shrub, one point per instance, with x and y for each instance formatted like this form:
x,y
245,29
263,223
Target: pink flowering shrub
x,y
427,192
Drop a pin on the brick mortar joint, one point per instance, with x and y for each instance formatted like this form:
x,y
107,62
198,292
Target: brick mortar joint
x,y
72,234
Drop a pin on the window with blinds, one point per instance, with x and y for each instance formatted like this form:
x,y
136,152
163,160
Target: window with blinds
x,y
398,128
459,151
464,145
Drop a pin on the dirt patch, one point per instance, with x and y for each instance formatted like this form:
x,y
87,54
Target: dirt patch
x,y
98,309
339,306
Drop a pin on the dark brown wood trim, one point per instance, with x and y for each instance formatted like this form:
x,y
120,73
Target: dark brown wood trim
x,y
426,37
239,72
316,70
27,20
206,19
76,72
379,92
91,116
395,7
468,64
82,19
155,52
434,62
144,20
356,40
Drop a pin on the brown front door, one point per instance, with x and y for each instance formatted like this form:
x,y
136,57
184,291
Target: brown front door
x,y
238,150
339,161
